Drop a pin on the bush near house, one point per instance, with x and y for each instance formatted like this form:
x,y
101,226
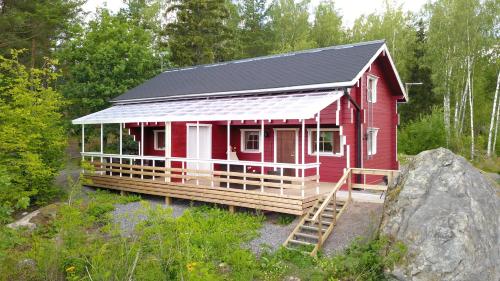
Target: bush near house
x,y
32,135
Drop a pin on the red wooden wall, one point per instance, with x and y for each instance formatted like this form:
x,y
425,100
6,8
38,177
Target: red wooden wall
x,y
384,118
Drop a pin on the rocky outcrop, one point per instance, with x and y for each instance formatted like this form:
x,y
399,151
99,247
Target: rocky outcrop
x,y
447,214
40,217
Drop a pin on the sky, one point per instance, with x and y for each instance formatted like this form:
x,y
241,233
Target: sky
x,y
350,9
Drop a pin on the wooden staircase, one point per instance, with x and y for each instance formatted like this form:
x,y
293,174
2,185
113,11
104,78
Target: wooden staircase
x,y
318,223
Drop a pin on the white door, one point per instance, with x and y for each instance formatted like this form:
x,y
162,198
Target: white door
x,y
205,146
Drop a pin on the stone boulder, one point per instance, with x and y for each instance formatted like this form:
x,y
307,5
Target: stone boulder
x,y
448,215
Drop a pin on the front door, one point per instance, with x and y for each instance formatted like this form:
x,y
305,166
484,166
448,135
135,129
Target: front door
x,y
205,146
286,149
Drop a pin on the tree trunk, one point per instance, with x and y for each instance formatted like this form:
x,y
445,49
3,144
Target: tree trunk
x,y
492,119
471,104
33,52
446,105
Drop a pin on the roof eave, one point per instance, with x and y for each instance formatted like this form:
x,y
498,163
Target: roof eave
x,y
243,93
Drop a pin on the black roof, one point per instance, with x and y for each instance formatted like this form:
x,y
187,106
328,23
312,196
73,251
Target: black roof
x,y
317,66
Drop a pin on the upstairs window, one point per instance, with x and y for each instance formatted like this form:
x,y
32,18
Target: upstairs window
x,y
371,89
250,140
159,139
371,141
330,142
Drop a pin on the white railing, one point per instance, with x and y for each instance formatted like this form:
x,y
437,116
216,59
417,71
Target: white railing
x,y
269,176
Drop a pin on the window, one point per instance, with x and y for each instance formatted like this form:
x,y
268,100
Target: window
x,y
371,89
159,139
250,140
372,141
330,142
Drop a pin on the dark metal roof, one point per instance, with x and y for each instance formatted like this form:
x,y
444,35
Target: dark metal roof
x,y
334,64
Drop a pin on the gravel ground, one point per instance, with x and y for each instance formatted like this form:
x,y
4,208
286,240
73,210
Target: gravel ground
x,y
359,220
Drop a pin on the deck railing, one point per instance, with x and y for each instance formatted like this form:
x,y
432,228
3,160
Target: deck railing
x,y
249,175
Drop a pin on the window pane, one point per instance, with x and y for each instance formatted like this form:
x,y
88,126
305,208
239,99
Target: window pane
x,y
160,140
336,142
252,140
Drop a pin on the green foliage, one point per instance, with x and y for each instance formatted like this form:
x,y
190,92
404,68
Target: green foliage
x,y
289,25
327,29
254,33
201,32
285,219
395,27
364,260
425,133
110,56
37,26
32,136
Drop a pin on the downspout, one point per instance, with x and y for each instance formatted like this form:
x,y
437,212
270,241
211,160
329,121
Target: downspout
x,y
358,131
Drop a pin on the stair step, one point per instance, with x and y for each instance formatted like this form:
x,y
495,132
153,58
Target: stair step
x,y
313,228
329,209
323,222
305,235
324,215
293,241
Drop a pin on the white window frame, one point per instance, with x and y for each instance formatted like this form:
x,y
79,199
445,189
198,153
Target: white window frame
x,y
243,141
371,141
310,142
155,134
371,92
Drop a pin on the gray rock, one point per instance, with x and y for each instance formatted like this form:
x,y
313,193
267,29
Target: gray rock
x,y
447,214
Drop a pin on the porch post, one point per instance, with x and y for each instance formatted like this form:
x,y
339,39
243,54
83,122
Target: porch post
x,y
142,149
83,140
229,150
197,150
121,146
317,151
102,140
83,144
167,149
303,132
262,155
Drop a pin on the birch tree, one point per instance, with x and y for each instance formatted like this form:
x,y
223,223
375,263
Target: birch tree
x,y
493,120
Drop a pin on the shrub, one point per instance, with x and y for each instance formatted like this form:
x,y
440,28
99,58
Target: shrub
x,y
364,260
32,134
423,134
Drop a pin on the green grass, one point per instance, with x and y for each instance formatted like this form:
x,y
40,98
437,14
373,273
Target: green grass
x,y
204,243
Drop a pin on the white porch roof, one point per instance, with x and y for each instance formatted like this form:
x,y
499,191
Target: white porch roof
x,y
276,107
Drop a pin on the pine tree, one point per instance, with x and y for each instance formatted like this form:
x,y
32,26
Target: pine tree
x,y
327,29
38,26
201,32
290,26
254,33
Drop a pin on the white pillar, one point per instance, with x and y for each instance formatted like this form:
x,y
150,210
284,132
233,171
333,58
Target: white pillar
x,y
121,146
229,150
302,135
167,149
262,147
102,141
83,139
197,149
142,148
317,150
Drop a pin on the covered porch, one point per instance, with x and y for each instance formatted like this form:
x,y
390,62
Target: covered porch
x,y
200,150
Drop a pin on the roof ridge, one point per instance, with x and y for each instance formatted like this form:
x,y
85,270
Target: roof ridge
x,y
307,51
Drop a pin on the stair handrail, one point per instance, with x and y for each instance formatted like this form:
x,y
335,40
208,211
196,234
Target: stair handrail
x,y
331,194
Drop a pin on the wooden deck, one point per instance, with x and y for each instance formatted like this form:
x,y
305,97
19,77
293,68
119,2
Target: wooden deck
x,y
267,192
266,201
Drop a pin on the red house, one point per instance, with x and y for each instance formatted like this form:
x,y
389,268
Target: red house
x,y
245,132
